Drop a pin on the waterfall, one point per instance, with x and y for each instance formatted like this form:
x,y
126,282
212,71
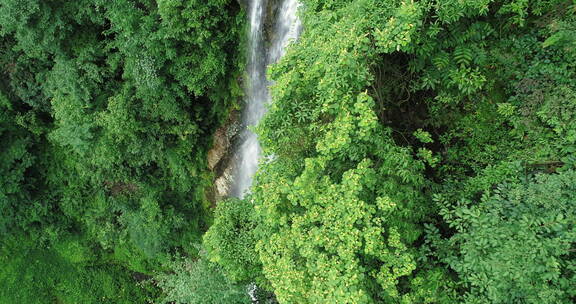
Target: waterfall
x,y
287,27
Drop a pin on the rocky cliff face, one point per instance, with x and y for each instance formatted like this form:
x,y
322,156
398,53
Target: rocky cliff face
x,y
220,157
224,158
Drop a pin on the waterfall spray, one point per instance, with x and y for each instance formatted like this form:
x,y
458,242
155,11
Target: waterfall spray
x,y
287,27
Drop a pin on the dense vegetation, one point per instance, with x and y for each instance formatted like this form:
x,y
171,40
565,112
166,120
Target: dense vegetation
x,y
423,152
107,108
420,152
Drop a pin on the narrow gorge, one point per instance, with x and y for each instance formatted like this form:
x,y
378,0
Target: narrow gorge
x,y
288,151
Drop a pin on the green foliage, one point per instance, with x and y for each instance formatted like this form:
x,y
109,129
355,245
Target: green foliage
x,y
337,243
341,201
67,273
15,159
423,136
417,152
125,120
230,242
199,281
398,31
106,113
515,244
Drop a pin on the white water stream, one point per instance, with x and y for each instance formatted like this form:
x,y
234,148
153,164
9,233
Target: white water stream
x,y
287,27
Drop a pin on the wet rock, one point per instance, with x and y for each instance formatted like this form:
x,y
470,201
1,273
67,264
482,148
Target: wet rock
x,y
220,160
223,183
220,147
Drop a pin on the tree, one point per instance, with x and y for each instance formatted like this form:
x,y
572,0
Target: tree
x,y
231,240
200,281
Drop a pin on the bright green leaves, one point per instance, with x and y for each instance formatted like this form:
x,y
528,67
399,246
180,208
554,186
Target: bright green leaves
x,y
336,242
441,60
467,80
428,156
452,61
505,109
340,203
107,107
423,136
399,31
463,55
349,129
328,235
327,67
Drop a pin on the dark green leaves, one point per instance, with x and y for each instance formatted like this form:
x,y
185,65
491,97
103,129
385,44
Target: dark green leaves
x,y
515,245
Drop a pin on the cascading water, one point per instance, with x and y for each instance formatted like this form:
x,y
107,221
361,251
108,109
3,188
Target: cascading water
x,y
287,27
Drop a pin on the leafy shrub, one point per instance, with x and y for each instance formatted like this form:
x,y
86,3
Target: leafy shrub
x,y
516,244
231,240
199,282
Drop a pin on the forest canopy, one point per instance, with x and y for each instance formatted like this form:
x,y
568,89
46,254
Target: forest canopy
x,y
107,110
416,152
